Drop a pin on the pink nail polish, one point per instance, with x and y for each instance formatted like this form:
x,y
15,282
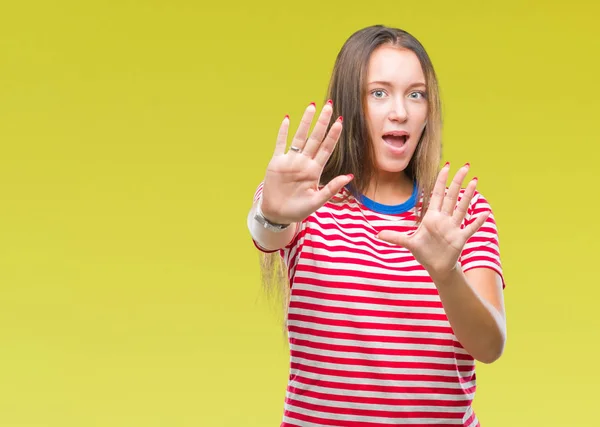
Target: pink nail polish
x,y
447,163
330,102
286,116
313,104
341,119
351,176
468,164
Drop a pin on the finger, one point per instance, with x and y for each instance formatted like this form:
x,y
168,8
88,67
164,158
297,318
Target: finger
x,y
394,237
475,225
282,137
332,188
439,189
451,197
326,148
300,137
461,210
318,133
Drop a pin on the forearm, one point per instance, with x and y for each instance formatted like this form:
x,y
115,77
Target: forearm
x,y
267,239
477,324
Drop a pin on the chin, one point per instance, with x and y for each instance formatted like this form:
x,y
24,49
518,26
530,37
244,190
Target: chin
x,y
392,166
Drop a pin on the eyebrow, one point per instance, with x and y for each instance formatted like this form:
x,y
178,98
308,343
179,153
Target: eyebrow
x,y
386,83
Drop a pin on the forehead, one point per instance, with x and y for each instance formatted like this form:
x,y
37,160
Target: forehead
x,y
394,65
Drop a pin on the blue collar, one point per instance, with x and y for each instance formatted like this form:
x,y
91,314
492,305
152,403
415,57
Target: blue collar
x,y
391,209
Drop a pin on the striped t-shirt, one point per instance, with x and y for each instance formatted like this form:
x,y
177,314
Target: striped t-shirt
x,y
370,343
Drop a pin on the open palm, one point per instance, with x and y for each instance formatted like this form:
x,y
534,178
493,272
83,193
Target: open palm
x,y
291,186
439,240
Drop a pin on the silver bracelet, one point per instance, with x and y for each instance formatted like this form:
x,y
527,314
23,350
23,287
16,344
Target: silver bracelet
x,y
260,218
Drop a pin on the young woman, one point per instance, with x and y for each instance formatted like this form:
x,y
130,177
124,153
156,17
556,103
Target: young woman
x,y
394,285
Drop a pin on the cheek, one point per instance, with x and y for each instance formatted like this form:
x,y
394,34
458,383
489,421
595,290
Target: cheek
x,y
420,116
374,120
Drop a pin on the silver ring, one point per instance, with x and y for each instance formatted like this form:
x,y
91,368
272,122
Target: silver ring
x,y
296,149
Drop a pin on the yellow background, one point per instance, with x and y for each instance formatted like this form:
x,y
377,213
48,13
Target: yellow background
x,y
133,135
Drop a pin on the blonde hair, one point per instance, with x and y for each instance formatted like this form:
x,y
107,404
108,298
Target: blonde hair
x,y
354,150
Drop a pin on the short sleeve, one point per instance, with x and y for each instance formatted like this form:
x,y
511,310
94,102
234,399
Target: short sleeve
x,y
483,248
290,248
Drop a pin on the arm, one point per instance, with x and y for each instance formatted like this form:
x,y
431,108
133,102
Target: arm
x,y
472,298
474,304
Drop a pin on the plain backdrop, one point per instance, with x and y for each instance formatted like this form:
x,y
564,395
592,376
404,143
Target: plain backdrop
x,y
134,133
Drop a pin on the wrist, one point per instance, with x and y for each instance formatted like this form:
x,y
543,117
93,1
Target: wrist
x,y
270,214
448,276
266,222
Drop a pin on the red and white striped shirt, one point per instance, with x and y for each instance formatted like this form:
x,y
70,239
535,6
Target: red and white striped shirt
x,y
370,343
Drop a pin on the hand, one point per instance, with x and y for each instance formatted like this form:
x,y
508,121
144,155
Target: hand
x,y
439,240
291,185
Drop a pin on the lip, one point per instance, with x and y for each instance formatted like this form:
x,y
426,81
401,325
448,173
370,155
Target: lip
x,y
396,133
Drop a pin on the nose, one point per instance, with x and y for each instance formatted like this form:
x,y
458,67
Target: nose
x,y
398,111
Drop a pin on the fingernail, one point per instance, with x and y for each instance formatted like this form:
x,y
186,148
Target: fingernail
x,y
475,179
286,116
447,163
330,102
313,104
341,119
351,176
467,164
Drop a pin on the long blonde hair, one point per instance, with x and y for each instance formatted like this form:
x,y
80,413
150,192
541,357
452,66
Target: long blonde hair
x,y
354,150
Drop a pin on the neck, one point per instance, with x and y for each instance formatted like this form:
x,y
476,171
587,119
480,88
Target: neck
x,y
390,188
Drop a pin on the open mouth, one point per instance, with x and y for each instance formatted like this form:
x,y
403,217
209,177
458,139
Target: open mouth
x,y
395,139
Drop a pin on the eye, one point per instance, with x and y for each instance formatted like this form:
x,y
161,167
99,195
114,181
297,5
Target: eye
x,y
378,93
418,95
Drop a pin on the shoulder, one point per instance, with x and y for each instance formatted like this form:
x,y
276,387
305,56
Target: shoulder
x,y
478,203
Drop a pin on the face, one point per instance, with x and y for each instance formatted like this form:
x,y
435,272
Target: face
x,y
396,107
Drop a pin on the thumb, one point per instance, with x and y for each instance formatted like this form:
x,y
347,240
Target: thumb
x,y
332,188
395,237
